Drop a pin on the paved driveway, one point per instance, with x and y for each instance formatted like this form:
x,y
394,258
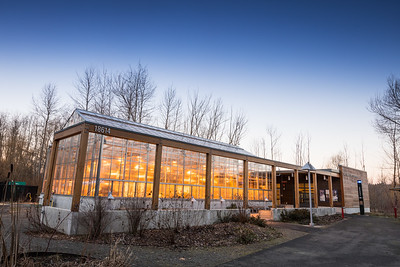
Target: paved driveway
x,y
358,241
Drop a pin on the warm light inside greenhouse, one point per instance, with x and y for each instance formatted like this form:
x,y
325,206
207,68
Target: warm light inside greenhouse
x,y
102,156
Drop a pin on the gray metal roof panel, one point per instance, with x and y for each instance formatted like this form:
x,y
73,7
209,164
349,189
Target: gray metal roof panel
x,y
153,131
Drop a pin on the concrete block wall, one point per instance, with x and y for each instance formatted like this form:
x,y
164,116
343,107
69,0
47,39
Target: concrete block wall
x,y
351,201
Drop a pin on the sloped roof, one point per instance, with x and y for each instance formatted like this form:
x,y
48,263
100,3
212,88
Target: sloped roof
x,y
80,116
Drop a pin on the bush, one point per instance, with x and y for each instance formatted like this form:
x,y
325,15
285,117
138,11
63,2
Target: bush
x,y
258,221
232,206
301,216
138,216
95,218
246,236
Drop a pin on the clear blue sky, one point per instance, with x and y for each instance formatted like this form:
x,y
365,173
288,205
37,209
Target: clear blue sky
x,y
307,66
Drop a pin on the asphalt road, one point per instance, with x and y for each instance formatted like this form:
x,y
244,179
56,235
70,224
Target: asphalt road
x,y
357,241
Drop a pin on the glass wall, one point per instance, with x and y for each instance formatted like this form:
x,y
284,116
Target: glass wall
x,y
65,166
91,163
260,182
227,178
183,174
126,170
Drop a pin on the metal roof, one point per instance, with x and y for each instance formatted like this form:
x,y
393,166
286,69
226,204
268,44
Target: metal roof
x,y
80,116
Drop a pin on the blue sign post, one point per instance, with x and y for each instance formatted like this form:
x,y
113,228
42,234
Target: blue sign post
x,y
360,197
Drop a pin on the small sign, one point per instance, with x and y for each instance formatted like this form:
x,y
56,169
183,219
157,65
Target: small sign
x,y
360,197
102,129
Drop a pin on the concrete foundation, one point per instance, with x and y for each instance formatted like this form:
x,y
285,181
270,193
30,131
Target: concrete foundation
x,y
172,213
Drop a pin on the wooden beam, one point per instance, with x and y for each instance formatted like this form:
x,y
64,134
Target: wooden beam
x,y
330,192
327,173
80,169
296,189
207,202
245,184
186,146
157,176
315,183
77,129
273,177
50,173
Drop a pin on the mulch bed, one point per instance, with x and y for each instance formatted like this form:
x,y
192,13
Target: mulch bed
x,y
215,235
322,220
329,219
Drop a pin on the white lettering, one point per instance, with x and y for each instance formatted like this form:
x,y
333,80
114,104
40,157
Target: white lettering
x,y
102,129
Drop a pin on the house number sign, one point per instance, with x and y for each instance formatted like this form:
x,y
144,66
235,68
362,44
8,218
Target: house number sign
x,y
102,129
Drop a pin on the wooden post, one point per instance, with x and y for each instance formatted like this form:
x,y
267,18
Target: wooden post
x,y
207,202
80,169
50,173
245,184
330,192
296,189
273,177
315,183
341,184
157,175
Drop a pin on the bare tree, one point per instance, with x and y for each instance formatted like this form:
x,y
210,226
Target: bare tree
x,y
387,109
237,128
124,96
197,111
273,138
134,92
362,158
259,147
335,160
86,89
104,97
215,121
3,127
46,108
346,156
171,110
300,148
145,89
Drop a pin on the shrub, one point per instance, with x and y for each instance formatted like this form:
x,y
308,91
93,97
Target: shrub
x,y
246,236
138,217
232,206
258,221
95,218
33,214
298,215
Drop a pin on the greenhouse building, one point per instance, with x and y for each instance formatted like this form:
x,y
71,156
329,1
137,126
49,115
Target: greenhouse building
x,y
96,156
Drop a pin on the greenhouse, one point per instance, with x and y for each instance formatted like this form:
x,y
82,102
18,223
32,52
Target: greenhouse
x,y
101,156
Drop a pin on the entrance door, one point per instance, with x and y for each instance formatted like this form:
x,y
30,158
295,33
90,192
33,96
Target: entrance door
x,y
287,192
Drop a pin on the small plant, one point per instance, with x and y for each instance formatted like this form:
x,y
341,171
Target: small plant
x,y
301,216
116,257
34,214
138,216
172,219
233,206
258,221
246,236
227,218
95,218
